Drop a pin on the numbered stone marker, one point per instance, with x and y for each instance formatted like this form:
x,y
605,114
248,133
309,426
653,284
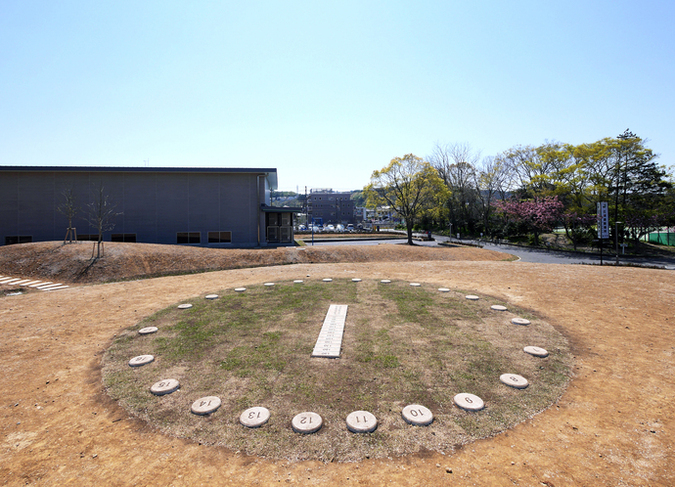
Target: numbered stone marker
x,y
472,297
444,289
415,284
269,284
520,321
205,405
514,380
469,402
141,360
306,423
147,330
211,296
361,422
385,281
184,306
327,279
417,415
166,386
254,417
298,281
242,289
356,279
498,307
536,351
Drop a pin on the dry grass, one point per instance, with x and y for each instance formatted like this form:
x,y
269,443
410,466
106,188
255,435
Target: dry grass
x,y
402,345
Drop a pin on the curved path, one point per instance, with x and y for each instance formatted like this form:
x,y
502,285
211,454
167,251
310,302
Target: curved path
x,y
614,426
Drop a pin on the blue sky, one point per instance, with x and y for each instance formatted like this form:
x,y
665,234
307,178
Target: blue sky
x,y
326,91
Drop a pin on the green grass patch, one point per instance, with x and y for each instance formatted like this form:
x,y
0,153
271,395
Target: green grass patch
x,y
402,345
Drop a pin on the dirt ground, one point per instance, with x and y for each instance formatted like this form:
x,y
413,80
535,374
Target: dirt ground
x,y
613,426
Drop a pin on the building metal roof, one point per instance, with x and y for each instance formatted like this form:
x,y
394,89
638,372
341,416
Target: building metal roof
x,y
270,173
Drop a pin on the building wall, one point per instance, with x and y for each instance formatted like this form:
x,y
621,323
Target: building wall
x,y
154,206
332,207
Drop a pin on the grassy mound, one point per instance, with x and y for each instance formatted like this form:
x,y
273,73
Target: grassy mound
x,y
402,345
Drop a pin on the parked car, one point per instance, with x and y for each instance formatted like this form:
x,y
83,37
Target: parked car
x,y
330,228
340,228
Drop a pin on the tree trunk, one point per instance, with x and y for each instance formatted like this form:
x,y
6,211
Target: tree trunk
x,y
409,228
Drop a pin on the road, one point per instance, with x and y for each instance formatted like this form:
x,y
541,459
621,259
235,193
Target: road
x,y
538,256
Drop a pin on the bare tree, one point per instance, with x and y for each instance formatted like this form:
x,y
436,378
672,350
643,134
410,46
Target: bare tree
x,y
69,209
100,216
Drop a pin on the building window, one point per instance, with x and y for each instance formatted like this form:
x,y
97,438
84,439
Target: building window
x,y
123,237
188,237
18,239
220,237
84,236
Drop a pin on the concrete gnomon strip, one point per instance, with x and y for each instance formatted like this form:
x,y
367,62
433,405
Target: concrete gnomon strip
x,y
329,343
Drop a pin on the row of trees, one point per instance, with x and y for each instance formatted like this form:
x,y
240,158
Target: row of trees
x,y
530,189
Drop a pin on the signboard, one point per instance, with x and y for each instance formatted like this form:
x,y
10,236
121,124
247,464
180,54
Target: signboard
x,y
603,220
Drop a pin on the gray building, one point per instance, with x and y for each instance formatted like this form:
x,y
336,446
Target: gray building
x,y
326,206
223,207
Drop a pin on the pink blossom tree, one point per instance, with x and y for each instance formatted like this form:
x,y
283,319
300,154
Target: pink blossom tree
x,y
538,215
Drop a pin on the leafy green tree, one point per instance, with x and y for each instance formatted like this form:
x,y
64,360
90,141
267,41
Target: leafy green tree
x,y
410,186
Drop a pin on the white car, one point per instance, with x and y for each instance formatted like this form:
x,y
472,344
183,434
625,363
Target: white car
x,y
330,228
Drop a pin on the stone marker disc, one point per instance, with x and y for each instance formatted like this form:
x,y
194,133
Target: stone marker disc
x,y
298,281
415,284
184,306
498,307
211,296
469,402
205,405
254,417
444,289
306,423
417,415
471,297
141,360
356,279
514,380
269,284
520,321
241,289
361,422
147,330
166,386
327,279
385,281
536,351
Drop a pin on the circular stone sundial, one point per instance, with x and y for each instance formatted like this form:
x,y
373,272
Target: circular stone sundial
x,y
520,321
163,387
273,339
269,284
536,351
148,330
469,402
361,422
472,297
327,279
498,307
514,380
211,296
254,417
385,281
417,415
306,423
184,306
241,289
356,279
298,281
205,405
415,284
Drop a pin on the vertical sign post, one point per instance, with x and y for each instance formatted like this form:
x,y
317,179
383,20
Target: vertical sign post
x,y
603,224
